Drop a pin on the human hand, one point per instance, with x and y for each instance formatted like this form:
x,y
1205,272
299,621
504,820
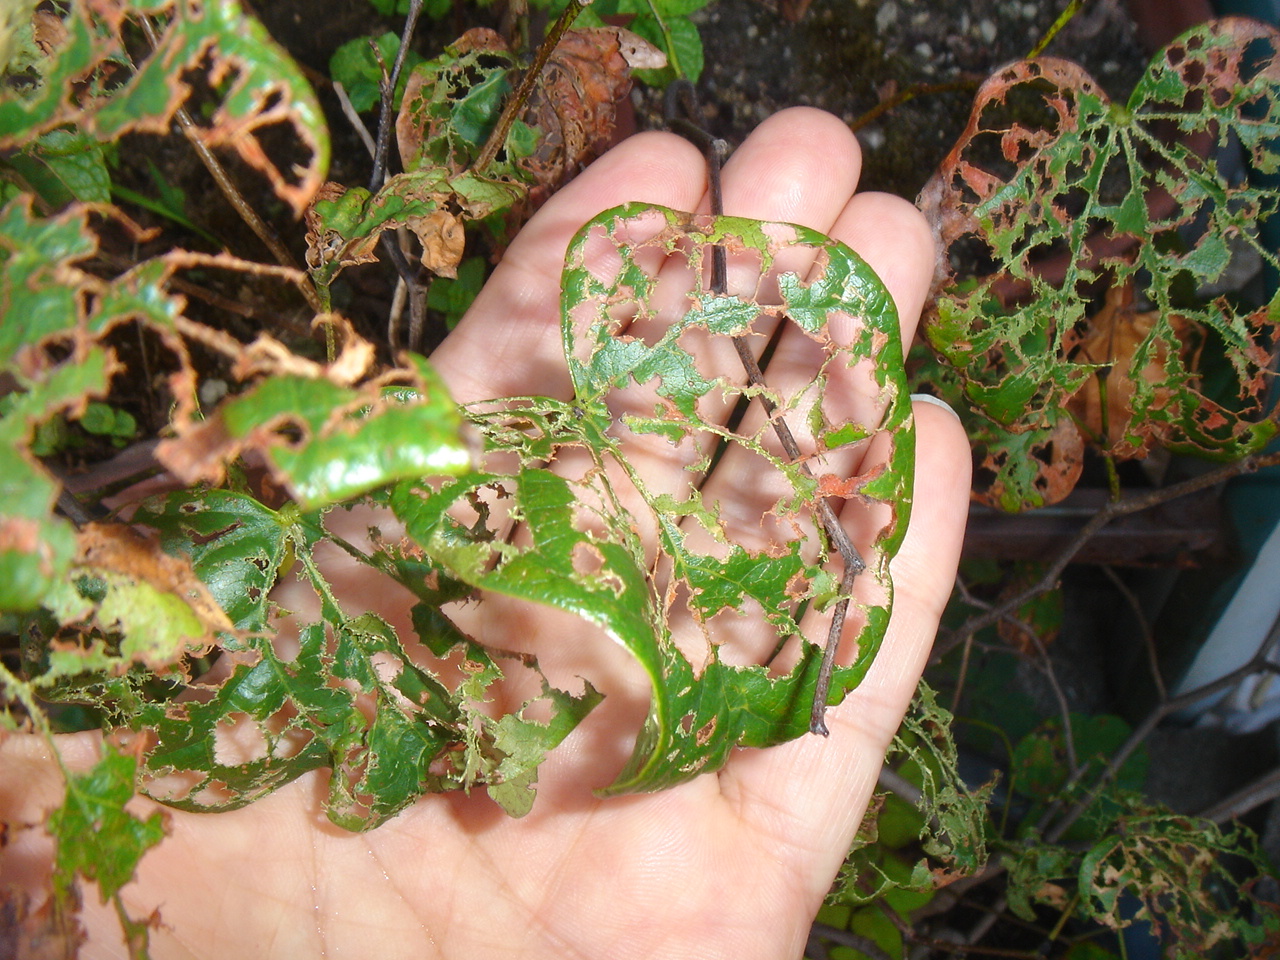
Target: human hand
x,y
731,864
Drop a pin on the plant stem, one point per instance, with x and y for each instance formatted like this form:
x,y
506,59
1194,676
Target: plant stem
x,y
516,102
388,91
1112,511
680,97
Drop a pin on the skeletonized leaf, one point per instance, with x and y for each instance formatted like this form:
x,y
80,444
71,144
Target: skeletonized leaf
x,y
1089,195
574,104
98,838
581,551
258,86
328,442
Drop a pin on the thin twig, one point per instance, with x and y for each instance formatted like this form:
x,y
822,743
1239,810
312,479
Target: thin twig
x,y
388,90
910,93
1112,511
517,101
847,938
681,110
1148,638
1063,19
191,131
1257,662
1046,667
353,117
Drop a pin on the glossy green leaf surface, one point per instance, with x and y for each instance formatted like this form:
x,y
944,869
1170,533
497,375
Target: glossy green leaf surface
x,y
328,442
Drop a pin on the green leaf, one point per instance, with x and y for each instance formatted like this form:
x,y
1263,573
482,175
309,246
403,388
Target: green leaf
x,y
327,442
98,839
950,821
257,83
1067,193
37,546
1041,757
62,166
450,105
583,554
676,36
453,296
355,67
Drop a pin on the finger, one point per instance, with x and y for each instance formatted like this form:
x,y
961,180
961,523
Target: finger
x,y
811,794
745,489
801,166
509,344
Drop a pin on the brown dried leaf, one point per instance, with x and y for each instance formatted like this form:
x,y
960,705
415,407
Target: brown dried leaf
x,y
324,244
443,238
575,103
1115,335
119,548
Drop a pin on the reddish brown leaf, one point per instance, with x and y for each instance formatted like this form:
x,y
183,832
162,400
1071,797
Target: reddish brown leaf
x,y
575,102
1115,335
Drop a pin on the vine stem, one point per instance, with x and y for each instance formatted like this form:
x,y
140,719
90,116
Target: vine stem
x,y
1112,511
682,111
516,102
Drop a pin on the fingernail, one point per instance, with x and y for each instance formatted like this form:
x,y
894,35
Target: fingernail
x,y
930,398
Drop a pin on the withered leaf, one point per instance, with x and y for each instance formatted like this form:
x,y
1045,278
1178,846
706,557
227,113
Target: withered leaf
x,y
574,105
1116,336
119,548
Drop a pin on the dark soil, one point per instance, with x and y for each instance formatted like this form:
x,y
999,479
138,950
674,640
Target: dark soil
x,y
850,56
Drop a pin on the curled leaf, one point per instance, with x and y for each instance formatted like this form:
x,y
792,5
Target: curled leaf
x,y
574,104
258,86
580,548
326,441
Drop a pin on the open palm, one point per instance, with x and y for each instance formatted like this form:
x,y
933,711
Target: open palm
x,y
731,864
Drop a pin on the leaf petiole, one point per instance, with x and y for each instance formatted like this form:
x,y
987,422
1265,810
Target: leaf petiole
x,y
682,100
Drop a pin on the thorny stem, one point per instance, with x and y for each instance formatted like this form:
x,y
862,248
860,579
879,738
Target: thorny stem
x,y
681,110
517,101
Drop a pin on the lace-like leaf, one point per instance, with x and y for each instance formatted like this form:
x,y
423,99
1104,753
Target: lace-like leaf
x,y
1068,195
581,549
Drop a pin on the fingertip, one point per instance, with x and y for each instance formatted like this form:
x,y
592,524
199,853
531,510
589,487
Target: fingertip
x,y
800,165
898,244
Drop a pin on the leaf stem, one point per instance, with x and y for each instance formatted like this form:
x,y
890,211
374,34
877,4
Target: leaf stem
x,y
681,99
517,101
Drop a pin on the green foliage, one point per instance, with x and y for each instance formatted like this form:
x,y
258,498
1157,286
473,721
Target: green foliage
x,y
124,620
261,86
582,553
61,166
98,839
1070,195
453,296
1176,869
664,23
357,68
947,829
